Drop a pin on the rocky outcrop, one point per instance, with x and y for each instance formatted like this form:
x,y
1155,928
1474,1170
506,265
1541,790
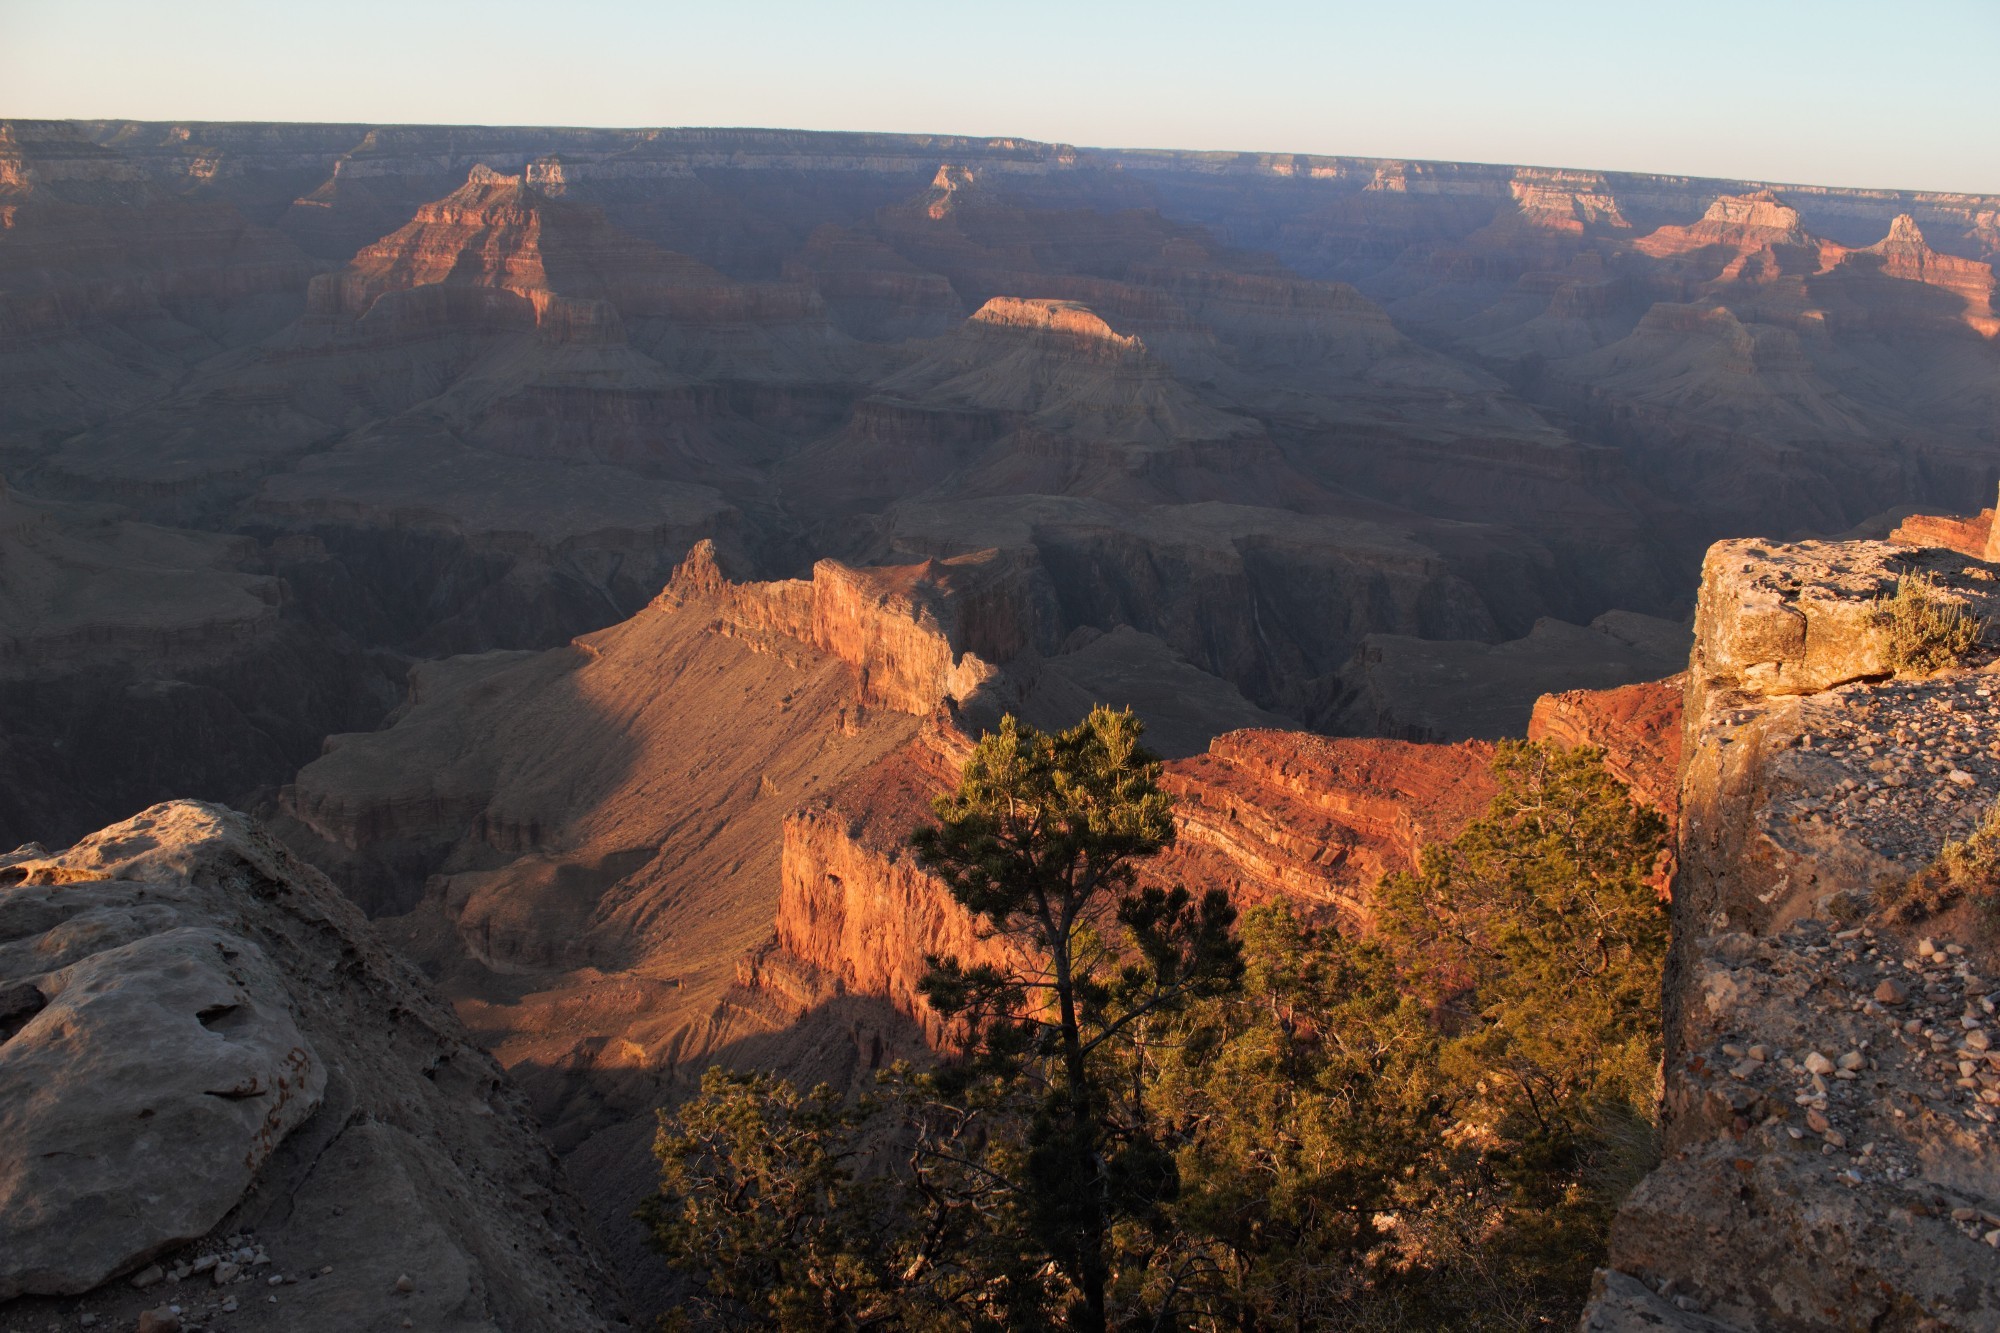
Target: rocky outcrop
x,y
855,906
1968,536
203,1039
1829,1155
915,635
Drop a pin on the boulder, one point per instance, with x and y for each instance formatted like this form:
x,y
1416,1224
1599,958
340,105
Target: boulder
x,y
207,1058
139,1103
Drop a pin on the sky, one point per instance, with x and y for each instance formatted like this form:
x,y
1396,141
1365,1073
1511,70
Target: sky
x,y
1835,92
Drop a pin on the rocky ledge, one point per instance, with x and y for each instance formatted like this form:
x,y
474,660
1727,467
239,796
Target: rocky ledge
x,y
1829,1154
215,1083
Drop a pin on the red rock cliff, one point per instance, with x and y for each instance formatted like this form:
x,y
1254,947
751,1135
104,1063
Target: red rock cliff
x,y
1263,815
1637,726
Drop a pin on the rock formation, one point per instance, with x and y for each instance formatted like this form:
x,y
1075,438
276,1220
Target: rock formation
x,y
1637,726
1968,536
204,1052
1829,1102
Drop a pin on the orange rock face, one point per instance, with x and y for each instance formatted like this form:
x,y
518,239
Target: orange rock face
x,y
1967,536
1316,820
914,634
1637,726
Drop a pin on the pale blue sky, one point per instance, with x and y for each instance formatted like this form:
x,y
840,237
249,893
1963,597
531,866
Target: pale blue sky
x,y
1838,92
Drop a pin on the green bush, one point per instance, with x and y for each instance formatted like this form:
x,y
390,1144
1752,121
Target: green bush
x,y
1157,1121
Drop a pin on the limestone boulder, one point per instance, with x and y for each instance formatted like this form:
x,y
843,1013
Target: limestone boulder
x,y
1803,617
214,1075
137,1105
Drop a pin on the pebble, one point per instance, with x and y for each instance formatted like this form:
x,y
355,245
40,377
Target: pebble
x,y
225,1273
404,1285
160,1320
1818,1064
149,1276
1892,991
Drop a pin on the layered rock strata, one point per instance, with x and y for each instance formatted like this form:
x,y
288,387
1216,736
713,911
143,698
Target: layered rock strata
x,y
1637,726
1830,1105
1264,815
204,1051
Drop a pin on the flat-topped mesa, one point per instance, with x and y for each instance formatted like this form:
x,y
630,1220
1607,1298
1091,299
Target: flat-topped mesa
x,y
1762,211
917,636
1752,225
1830,1101
1567,203
1071,321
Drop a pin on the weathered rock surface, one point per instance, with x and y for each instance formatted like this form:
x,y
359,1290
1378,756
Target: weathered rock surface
x,y
1804,618
1830,1155
200,1036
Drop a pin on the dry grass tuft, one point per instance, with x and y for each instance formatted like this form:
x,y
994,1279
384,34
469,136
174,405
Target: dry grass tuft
x,y
1927,632
1966,869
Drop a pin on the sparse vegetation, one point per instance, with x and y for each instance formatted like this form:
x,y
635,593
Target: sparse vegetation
x,y
1157,1123
1927,632
1965,869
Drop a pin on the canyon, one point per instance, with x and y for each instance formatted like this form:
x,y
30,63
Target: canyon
x,y
592,550
1345,433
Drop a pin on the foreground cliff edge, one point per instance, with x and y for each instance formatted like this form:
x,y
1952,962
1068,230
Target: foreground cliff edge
x,y
215,1082
1830,1096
